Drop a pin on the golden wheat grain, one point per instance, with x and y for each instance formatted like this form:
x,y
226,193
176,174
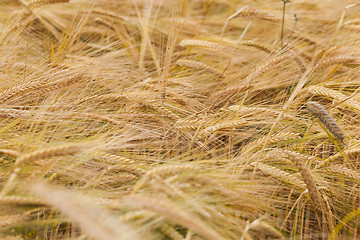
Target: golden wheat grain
x,y
9,152
224,125
199,65
160,108
334,95
18,200
229,91
264,228
257,45
253,12
127,168
202,43
39,3
319,202
113,159
283,176
164,171
336,60
192,124
320,112
38,87
48,153
117,180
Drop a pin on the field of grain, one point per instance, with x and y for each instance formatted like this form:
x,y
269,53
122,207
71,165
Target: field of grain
x,y
179,119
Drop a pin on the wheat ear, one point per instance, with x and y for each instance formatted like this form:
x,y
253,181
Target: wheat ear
x,y
39,3
320,112
163,171
334,95
37,155
336,60
47,153
202,43
198,65
319,202
281,175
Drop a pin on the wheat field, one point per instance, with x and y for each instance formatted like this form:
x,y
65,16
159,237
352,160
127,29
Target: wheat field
x,y
179,119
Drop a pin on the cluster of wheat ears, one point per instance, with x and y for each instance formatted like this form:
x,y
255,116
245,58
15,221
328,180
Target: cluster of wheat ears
x,y
183,119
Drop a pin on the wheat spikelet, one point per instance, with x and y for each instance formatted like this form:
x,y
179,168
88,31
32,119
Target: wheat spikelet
x,y
223,125
229,91
262,227
18,200
281,175
334,95
319,202
103,22
39,3
202,43
160,108
192,124
163,171
37,87
117,180
171,169
273,139
257,45
170,211
336,60
127,168
48,153
10,220
343,171
320,112
113,159
198,65
9,152
253,12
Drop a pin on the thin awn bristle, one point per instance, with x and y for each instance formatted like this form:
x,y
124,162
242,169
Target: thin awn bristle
x,y
320,112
